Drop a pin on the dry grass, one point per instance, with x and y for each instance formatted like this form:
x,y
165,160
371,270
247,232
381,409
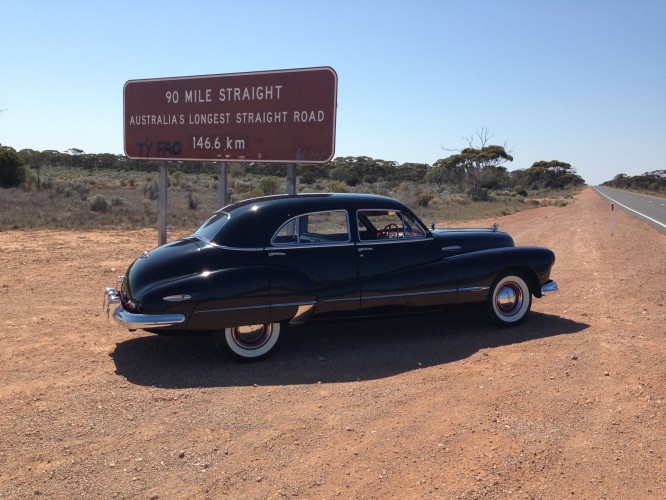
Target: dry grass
x,y
74,198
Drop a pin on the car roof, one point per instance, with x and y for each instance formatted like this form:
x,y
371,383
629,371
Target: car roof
x,y
253,222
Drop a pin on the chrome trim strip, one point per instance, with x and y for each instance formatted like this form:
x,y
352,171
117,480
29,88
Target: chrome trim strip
x,y
392,240
549,287
244,308
474,289
177,298
291,304
341,300
433,292
237,249
262,306
286,246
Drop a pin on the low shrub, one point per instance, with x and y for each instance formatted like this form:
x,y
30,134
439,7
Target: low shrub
x,y
423,198
98,203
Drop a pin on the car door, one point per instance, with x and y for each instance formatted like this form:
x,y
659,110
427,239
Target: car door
x,y
399,263
313,267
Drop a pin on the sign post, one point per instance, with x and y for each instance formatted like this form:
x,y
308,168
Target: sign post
x,y
162,205
222,190
291,179
286,116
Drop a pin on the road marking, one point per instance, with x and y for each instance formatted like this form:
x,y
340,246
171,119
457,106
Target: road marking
x,y
631,209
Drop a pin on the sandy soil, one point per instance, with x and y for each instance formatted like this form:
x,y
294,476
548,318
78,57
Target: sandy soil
x,y
571,403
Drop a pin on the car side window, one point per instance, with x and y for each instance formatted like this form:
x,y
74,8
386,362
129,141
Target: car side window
x,y
287,235
411,228
387,225
314,228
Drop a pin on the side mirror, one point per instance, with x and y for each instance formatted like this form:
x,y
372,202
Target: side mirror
x,y
432,226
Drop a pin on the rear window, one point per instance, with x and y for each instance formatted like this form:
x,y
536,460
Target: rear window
x,y
212,226
318,227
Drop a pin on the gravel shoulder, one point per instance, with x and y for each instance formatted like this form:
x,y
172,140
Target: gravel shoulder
x,y
571,403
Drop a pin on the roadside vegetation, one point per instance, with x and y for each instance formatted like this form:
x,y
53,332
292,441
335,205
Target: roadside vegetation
x,y
653,183
72,189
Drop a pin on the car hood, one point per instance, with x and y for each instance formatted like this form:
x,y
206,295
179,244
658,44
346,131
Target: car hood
x,y
173,260
471,240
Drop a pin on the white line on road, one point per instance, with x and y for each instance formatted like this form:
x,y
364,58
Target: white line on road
x,y
632,210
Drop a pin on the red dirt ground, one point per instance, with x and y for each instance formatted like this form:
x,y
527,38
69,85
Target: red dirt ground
x,y
571,403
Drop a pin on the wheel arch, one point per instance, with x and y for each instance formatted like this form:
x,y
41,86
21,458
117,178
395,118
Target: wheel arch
x,y
525,272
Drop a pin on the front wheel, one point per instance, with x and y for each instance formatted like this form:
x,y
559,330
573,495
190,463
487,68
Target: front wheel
x,y
248,343
509,301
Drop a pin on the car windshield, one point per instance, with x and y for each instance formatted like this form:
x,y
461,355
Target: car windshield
x,y
212,226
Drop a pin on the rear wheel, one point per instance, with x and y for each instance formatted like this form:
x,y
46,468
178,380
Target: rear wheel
x,y
248,343
509,301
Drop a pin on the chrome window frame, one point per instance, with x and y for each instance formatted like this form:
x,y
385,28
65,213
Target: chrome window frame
x,y
298,243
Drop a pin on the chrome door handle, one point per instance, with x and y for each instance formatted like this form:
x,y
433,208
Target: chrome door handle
x,y
274,254
365,249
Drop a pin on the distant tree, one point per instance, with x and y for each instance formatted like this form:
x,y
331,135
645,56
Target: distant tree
x,y
649,181
74,157
105,160
12,172
551,174
479,167
415,172
619,181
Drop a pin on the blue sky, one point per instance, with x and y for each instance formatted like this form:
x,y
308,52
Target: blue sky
x,y
578,81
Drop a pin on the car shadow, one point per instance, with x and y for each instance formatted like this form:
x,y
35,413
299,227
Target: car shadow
x,y
329,352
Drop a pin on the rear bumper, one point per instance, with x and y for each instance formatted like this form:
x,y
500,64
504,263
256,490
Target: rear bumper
x,y
118,316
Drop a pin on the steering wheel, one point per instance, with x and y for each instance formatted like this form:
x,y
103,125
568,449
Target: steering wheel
x,y
391,230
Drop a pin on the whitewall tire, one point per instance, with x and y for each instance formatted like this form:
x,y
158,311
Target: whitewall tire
x,y
509,301
250,342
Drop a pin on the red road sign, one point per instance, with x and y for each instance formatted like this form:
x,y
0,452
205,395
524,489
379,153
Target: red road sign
x,y
272,116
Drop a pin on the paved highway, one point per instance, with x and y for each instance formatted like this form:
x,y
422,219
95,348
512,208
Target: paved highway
x,y
650,209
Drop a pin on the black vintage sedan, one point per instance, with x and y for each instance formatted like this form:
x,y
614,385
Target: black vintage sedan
x,y
260,263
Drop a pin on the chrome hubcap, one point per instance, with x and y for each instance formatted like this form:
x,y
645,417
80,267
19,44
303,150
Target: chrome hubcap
x,y
509,299
252,336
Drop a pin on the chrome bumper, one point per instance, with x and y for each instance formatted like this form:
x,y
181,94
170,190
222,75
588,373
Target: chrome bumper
x,y
549,287
118,316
